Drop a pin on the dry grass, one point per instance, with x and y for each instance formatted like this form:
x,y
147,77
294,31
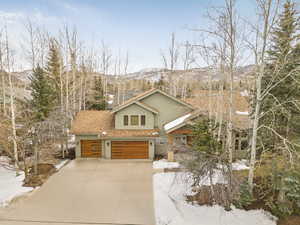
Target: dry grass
x,y
291,220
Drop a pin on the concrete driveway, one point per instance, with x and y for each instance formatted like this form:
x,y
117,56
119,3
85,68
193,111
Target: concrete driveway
x,y
89,191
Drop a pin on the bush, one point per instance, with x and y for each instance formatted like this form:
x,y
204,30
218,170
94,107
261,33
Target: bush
x,y
245,197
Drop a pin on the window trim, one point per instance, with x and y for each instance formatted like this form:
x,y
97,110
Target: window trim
x,y
138,122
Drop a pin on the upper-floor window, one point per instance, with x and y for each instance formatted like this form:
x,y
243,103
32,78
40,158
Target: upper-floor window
x,y
125,120
143,120
134,120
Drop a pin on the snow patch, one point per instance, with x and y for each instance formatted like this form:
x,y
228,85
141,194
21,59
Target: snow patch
x,y
163,164
61,164
244,93
240,165
242,113
176,122
110,102
10,184
171,207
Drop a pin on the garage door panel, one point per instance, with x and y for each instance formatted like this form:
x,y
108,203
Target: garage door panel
x,y
129,144
129,149
91,148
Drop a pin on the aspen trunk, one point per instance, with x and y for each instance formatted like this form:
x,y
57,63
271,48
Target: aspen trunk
x,y
265,8
13,121
80,95
254,132
3,92
74,84
36,156
84,94
12,106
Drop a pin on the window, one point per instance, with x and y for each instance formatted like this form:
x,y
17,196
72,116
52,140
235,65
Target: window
x,y
143,120
125,120
134,120
180,140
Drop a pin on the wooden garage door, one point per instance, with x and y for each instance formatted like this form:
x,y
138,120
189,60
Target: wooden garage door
x,y
91,148
129,150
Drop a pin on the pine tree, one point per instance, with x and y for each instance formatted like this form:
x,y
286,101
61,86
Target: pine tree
x,y
43,95
53,67
98,102
281,80
204,140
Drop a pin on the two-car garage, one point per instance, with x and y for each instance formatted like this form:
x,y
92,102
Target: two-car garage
x,y
129,150
119,149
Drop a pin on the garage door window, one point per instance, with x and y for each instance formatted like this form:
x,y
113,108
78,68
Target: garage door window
x,y
134,120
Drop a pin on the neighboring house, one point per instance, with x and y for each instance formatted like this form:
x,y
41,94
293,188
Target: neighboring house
x,y
148,124
219,105
133,130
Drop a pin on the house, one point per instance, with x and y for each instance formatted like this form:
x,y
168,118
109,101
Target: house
x,y
132,130
219,104
145,125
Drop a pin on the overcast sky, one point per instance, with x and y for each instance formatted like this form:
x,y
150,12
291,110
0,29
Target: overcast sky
x,y
141,27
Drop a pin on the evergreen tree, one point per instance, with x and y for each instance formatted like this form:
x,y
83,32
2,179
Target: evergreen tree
x,y
53,67
279,105
43,95
204,140
98,102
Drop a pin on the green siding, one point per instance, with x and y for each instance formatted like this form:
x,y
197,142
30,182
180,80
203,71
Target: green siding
x,y
134,109
168,108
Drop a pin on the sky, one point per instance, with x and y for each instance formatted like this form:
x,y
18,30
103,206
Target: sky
x,y
141,27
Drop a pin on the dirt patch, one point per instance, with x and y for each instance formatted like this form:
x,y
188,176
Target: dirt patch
x,y
176,170
204,195
291,220
45,170
158,157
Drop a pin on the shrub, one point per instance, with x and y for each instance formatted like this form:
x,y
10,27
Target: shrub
x,y
245,197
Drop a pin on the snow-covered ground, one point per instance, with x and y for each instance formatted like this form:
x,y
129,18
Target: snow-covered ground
x,y
164,164
240,165
10,184
242,113
171,207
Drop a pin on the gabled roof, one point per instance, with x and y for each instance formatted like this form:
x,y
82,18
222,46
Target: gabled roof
x,y
145,94
101,123
220,105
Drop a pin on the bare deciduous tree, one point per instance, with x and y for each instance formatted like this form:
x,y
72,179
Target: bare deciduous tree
x,y
268,12
9,61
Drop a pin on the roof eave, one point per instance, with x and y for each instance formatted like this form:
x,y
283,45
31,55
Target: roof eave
x,y
176,127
